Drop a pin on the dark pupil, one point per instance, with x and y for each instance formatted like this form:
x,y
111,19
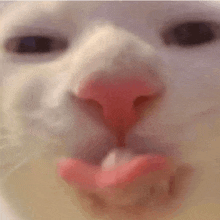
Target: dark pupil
x,y
34,44
193,33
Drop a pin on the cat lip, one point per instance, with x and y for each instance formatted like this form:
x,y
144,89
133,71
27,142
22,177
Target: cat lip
x,y
119,156
116,169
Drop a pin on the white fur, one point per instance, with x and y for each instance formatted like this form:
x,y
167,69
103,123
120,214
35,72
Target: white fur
x,y
41,121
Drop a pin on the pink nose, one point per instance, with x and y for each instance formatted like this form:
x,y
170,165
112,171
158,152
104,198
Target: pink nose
x,y
117,96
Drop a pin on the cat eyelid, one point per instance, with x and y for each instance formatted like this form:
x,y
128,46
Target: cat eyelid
x,y
21,31
211,35
35,44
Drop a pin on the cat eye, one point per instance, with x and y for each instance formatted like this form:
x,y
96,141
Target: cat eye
x,y
35,44
190,34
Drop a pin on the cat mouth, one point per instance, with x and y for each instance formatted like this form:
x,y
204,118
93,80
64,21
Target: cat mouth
x,y
121,175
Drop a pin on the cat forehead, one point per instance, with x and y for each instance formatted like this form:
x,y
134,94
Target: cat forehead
x,y
133,7
78,14
50,17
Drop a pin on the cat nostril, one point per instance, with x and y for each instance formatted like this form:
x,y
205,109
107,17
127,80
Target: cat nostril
x,y
119,99
140,100
145,103
95,104
94,107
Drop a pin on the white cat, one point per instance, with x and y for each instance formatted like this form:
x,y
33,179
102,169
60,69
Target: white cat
x,y
110,110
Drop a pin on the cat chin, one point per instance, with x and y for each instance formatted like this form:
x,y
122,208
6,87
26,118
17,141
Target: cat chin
x,y
137,198
137,204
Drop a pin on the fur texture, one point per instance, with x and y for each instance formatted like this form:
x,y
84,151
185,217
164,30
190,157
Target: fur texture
x,y
43,119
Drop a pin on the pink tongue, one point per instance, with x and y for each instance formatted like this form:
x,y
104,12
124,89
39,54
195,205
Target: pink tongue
x,y
87,176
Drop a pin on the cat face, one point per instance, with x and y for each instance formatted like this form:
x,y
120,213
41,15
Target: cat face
x,y
104,82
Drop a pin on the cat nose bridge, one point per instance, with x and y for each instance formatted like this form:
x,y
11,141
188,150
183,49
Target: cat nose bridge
x,y
130,73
